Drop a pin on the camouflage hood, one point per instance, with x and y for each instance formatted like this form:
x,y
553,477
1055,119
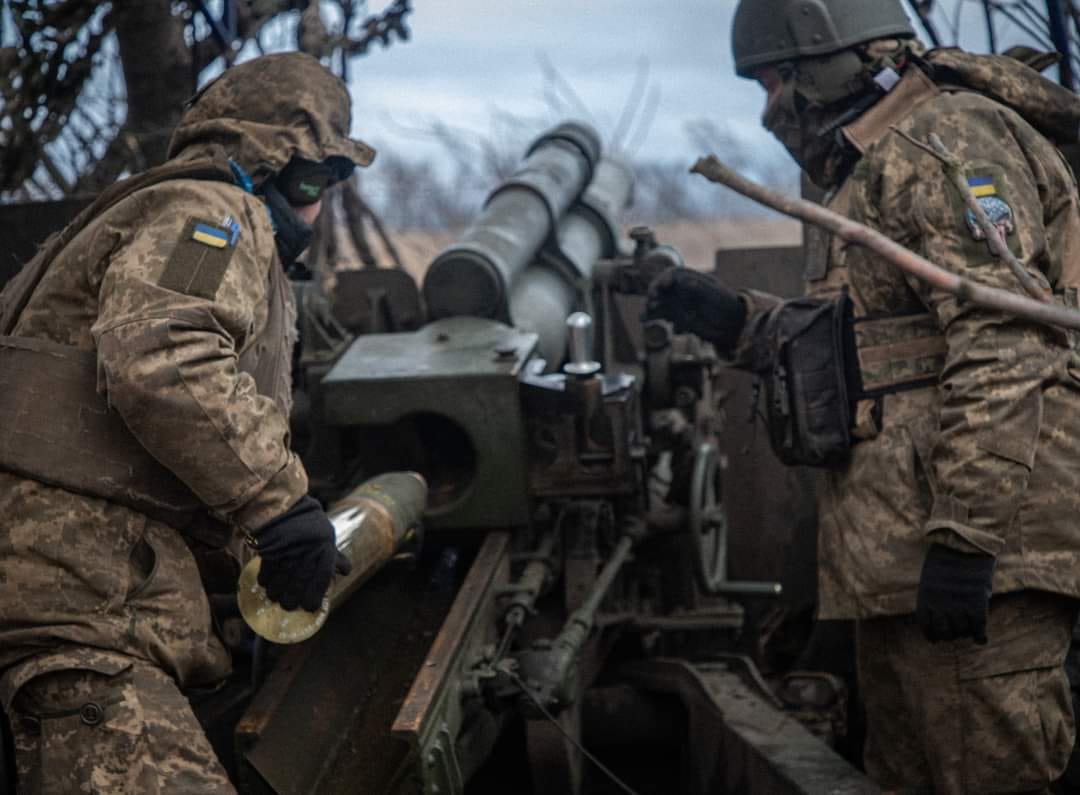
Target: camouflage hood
x,y
264,111
1051,109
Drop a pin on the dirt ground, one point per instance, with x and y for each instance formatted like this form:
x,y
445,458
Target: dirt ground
x,y
697,240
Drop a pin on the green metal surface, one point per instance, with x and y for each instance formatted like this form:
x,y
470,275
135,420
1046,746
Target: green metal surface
x,y
465,372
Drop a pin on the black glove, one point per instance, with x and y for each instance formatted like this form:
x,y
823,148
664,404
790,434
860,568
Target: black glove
x,y
299,556
698,304
954,594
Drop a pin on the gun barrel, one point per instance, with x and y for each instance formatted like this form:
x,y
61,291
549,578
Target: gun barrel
x,y
472,276
371,524
542,298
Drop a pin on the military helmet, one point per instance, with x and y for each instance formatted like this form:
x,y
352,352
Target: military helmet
x,y
771,31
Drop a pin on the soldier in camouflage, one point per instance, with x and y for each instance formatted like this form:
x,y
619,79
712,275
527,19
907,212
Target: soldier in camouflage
x,y
146,351
962,477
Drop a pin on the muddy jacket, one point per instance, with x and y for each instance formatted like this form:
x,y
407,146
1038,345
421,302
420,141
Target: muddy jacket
x,y
176,292
970,436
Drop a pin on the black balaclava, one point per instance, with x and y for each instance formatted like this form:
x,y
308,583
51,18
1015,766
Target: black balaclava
x,y
291,234
820,95
300,183
809,134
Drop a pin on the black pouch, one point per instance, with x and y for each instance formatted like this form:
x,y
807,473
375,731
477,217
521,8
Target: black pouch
x,y
808,411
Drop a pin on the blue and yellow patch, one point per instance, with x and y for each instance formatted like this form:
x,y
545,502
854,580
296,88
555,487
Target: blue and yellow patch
x,y
982,186
200,258
1001,215
210,235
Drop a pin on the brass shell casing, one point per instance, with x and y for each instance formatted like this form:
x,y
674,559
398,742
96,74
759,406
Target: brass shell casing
x,y
372,523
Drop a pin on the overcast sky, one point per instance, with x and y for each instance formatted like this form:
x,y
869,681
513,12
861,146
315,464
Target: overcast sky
x,y
470,58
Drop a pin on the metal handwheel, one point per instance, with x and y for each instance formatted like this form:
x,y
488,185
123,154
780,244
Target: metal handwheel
x,y
708,520
709,529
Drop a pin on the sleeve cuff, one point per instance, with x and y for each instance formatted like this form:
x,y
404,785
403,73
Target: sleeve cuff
x,y
751,351
954,538
279,494
948,526
757,301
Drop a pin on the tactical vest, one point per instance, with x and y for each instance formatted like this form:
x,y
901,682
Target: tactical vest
x,y
905,352
55,426
891,354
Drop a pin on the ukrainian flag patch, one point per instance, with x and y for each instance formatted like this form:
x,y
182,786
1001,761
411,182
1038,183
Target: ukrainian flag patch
x,y
210,235
994,203
982,186
197,264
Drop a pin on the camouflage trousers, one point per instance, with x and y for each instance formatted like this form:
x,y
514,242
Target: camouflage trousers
x,y
83,731
956,718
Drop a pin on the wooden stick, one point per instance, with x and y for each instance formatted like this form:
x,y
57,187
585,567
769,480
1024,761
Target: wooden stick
x,y
995,238
908,261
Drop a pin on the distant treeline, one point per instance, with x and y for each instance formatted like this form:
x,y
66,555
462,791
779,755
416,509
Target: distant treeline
x,y
424,194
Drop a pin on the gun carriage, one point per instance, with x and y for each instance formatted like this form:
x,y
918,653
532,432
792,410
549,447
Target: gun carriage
x,y
569,625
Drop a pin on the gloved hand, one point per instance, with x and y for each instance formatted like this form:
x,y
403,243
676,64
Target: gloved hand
x,y
698,304
299,556
954,594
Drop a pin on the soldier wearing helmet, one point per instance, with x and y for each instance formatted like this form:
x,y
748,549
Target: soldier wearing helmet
x,y
148,347
950,433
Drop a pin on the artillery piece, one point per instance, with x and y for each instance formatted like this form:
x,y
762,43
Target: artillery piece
x,y
569,626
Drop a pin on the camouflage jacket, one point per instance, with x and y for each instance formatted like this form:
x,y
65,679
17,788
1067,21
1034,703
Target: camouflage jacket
x,y
985,456
170,288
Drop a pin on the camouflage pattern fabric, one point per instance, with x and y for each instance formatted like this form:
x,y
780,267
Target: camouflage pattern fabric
x,y
85,573
986,460
960,719
223,111
170,287
88,731
167,351
1052,108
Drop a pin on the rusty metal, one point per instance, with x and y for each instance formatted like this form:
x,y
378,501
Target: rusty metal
x,y
574,453
319,723
549,667
740,742
521,596
431,717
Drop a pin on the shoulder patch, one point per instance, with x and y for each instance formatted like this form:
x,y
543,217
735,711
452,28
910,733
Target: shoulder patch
x,y
996,208
200,257
210,236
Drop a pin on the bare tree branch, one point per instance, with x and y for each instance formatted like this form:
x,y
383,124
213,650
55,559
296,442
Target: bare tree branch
x,y
906,260
64,50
